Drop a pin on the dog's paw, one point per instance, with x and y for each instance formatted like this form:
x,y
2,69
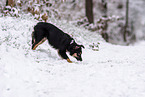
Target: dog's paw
x,y
68,60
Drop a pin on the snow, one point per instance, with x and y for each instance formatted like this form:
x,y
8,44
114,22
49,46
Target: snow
x,y
113,71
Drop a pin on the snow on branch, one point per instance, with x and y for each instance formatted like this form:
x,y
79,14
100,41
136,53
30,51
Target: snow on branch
x,y
100,23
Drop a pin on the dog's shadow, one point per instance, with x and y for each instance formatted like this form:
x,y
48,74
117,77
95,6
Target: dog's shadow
x,y
44,51
48,53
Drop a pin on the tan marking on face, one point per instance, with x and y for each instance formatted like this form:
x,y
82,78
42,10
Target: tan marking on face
x,y
75,55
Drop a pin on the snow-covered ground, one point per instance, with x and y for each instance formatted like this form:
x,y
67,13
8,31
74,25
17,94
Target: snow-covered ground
x,y
113,71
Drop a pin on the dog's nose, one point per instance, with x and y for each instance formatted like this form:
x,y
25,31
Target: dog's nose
x,y
80,59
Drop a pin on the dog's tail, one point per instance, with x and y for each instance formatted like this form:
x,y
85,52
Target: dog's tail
x,y
33,37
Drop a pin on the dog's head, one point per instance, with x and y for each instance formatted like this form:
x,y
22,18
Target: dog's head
x,y
76,51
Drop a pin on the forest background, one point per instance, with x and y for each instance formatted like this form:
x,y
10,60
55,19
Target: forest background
x,y
118,21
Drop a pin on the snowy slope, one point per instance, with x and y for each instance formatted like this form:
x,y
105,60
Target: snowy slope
x,y
113,71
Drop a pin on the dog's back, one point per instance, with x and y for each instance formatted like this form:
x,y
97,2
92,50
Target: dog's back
x,y
56,37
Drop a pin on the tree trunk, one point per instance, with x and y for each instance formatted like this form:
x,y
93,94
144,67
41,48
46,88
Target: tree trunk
x,y
89,10
104,5
104,30
10,3
126,21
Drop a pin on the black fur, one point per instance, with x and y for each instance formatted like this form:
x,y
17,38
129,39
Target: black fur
x,y
58,39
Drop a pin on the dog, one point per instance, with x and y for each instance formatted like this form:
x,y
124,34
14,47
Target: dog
x,y
57,39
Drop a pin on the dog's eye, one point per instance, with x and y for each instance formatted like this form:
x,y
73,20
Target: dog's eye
x,y
79,53
76,47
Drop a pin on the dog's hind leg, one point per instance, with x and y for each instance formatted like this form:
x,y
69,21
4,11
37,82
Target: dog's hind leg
x,y
35,45
63,54
37,39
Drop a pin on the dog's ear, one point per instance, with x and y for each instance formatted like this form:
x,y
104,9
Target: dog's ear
x,y
82,46
76,47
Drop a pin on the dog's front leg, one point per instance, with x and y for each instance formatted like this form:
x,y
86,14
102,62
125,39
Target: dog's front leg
x,y
63,54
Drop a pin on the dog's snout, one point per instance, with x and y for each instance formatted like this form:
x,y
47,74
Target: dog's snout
x,y
79,58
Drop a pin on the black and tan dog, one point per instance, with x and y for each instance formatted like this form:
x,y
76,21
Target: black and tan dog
x,y
57,39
